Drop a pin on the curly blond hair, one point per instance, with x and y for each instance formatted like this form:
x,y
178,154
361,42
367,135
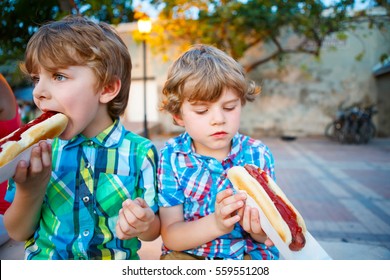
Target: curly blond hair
x,y
201,74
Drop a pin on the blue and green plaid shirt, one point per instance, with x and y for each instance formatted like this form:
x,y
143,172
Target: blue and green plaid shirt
x,y
90,180
185,177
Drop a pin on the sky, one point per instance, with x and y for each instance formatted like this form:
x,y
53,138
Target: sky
x,y
152,12
146,7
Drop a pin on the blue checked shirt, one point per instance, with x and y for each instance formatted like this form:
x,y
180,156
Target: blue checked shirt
x,y
90,180
185,177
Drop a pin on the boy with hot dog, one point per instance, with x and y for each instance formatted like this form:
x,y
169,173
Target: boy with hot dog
x,y
91,194
201,216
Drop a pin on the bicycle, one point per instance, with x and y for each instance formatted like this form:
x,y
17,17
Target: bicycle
x,y
352,125
333,130
367,128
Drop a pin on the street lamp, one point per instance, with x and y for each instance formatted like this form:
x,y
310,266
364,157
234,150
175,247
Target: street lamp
x,y
144,27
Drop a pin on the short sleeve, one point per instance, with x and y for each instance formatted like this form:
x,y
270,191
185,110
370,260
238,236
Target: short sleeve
x,y
148,180
169,190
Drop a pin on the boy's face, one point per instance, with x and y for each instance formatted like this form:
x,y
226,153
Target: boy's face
x,y
212,125
72,91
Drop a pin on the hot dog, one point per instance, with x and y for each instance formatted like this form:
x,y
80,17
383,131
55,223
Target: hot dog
x,y
46,126
283,216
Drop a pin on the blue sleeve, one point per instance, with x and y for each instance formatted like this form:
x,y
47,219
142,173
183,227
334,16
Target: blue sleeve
x,y
170,192
10,194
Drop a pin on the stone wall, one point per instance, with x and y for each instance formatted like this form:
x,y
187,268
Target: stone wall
x,y
303,96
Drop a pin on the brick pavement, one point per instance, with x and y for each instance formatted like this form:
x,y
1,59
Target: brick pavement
x,y
342,191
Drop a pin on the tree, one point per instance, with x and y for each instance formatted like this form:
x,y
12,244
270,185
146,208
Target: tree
x,y
236,26
21,18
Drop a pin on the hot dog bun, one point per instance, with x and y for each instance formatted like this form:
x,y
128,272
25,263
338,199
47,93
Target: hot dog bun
x,y
242,180
43,128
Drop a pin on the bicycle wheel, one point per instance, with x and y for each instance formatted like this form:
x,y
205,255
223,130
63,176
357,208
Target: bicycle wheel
x,y
367,132
354,133
344,135
332,130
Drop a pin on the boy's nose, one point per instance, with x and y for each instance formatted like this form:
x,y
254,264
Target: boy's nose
x,y
40,92
218,117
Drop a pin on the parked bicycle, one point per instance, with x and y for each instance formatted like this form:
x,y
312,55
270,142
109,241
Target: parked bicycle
x,y
352,125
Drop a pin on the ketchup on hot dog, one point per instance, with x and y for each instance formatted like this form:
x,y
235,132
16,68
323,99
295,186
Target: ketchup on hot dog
x,y
17,134
288,215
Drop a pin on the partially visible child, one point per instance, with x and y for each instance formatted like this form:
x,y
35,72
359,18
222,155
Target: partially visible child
x,y
201,216
92,194
10,120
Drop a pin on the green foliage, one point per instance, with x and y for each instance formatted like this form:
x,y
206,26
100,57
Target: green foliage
x,y
21,18
359,56
383,57
235,26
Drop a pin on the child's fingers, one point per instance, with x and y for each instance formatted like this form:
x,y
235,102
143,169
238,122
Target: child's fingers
x,y
128,211
133,211
123,226
123,233
46,153
21,172
234,198
255,221
231,208
224,194
229,222
246,219
241,211
141,202
36,160
269,242
228,197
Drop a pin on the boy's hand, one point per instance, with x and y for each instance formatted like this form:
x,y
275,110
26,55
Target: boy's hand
x,y
135,218
226,207
33,179
250,222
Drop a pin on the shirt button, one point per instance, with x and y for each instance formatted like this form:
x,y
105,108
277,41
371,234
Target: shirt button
x,y
86,232
86,199
90,143
87,165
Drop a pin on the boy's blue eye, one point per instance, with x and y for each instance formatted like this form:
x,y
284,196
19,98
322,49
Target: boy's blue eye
x,y
59,77
34,80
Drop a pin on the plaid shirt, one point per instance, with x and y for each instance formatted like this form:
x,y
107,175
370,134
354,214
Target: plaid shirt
x,y
187,178
90,180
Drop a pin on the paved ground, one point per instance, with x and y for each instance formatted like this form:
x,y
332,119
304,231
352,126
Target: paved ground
x,y
342,191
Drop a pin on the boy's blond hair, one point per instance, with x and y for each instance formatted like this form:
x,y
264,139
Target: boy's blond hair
x,y
77,41
201,74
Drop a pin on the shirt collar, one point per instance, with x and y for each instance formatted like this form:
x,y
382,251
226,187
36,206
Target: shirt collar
x,y
236,148
184,144
111,137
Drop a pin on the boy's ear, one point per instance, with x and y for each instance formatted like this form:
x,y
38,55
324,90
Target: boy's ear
x,y
178,119
110,91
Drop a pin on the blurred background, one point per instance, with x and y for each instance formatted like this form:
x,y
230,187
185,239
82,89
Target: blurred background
x,y
324,69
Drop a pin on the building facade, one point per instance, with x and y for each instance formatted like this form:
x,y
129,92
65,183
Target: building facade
x,y
299,99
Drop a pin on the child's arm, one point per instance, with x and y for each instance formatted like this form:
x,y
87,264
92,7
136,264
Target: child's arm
x,y
179,235
22,217
137,219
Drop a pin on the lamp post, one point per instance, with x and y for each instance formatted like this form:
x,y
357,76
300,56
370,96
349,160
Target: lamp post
x,y
144,27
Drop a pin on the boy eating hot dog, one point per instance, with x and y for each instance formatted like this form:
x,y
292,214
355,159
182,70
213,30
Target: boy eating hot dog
x,y
201,217
92,195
